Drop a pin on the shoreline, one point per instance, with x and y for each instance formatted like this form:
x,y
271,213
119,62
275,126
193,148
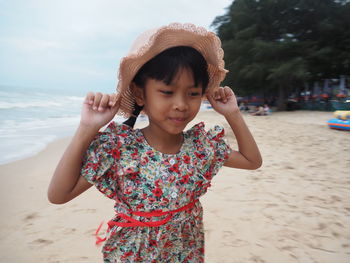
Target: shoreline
x,y
293,209
140,123
26,151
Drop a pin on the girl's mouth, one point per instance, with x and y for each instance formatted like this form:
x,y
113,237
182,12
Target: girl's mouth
x,y
178,120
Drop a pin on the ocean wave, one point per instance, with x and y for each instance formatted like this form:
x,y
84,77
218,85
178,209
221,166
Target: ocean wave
x,y
20,103
37,124
13,149
20,139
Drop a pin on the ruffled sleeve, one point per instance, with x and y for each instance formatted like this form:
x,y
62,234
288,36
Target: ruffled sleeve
x,y
220,147
100,163
211,149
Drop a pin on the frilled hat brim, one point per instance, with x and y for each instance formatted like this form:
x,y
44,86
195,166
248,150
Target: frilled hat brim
x,y
154,41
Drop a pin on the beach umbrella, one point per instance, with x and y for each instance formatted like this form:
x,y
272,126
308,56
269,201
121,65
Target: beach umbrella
x,y
342,87
342,84
316,90
326,89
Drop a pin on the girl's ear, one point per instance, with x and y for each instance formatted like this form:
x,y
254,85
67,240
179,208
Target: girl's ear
x,y
138,94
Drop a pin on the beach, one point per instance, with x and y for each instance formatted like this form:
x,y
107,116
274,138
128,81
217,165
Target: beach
x,y
295,208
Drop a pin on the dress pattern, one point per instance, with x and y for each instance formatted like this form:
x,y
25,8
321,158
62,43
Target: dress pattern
x,y
124,167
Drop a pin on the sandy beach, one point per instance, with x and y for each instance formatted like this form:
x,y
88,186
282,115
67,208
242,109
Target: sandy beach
x,y
295,208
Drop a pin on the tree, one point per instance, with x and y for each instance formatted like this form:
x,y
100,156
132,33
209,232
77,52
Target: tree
x,y
273,46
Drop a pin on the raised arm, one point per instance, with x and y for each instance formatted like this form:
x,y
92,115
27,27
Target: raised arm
x,y
66,183
248,155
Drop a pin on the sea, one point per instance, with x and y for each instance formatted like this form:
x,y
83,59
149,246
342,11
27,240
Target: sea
x,y
32,117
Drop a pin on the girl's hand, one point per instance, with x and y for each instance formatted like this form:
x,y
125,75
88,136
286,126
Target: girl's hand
x,y
223,100
99,109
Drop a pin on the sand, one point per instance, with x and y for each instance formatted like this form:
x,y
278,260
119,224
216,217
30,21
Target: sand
x,y
295,208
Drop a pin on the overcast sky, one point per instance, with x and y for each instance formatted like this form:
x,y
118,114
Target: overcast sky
x,y
77,44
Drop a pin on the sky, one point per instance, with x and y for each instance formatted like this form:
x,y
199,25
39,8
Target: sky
x,y
76,45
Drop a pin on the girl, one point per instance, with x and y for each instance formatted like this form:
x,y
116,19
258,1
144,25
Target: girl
x,y
156,174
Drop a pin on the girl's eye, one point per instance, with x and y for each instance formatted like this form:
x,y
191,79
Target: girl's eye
x,y
195,94
166,92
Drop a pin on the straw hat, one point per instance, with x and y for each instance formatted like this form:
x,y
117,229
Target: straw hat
x,y
154,41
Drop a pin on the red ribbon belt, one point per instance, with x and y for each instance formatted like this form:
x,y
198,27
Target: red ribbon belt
x,y
131,222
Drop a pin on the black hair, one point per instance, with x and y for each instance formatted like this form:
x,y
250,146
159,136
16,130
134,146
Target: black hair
x,y
132,119
166,65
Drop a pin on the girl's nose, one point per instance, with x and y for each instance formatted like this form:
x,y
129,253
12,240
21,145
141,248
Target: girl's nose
x,y
181,103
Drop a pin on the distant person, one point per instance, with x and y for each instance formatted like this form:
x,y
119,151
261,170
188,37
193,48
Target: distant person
x,y
267,109
259,111
243,106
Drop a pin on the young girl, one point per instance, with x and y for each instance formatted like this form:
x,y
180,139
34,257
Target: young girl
x,y
156,174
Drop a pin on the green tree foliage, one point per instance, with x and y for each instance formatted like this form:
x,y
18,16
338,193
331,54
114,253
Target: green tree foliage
x,y
274,46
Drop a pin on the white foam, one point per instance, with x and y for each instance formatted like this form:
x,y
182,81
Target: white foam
x,y
23,147
23,102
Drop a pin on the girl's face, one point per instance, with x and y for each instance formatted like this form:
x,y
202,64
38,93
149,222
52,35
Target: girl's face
x,y
171,107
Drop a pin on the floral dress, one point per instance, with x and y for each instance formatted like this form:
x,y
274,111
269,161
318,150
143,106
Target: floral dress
x,y
158,215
